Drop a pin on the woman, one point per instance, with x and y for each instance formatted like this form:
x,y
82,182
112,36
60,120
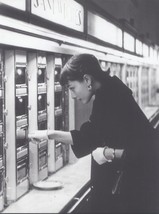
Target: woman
x,y
119,136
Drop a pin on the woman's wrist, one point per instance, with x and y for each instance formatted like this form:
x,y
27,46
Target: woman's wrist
x,y
111,154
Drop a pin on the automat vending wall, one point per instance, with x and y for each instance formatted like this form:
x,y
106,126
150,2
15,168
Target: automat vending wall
x,y
58,111
49,111
2,131
38,150
16,101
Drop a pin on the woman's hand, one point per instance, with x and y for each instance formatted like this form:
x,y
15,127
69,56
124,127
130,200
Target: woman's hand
x,y
102,155
38,134
61,136
99,156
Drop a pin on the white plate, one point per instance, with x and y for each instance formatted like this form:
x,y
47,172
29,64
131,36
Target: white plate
x,y
48,185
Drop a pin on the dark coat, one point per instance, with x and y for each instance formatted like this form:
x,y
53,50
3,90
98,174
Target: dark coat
x,y
118,122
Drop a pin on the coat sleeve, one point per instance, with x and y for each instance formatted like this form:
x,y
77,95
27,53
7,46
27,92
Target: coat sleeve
x,y
85,140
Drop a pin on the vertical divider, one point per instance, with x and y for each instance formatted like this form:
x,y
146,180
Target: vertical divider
x,y
32,105
2,133
50,110
72,157
10,126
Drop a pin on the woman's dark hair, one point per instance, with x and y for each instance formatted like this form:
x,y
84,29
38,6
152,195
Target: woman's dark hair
x,y
79,65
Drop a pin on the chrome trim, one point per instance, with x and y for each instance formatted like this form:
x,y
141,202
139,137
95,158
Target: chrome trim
x,y
42,116
21,90
41,88
58,111
21,122
21,152
43,143
58,88
1,162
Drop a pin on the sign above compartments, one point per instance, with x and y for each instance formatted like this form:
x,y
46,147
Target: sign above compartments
x,y
64,12
19,4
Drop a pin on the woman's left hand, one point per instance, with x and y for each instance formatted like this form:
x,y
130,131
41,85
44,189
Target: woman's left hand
x,y
99,156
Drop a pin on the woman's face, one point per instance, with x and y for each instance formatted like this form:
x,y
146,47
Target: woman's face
x,y
80,90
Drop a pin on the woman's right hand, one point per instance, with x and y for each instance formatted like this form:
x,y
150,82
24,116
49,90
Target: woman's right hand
x,y
38,134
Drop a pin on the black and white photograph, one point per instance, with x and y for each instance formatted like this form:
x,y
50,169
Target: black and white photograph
x,y
79,106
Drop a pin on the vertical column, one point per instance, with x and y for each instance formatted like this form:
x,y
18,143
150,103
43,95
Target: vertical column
x,y
50,110
42,114
16,101
72,157
21,126
65,112
33,124
10,126
2,136
59,111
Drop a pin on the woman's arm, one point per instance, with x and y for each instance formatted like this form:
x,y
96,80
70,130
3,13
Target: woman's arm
x,y
62,136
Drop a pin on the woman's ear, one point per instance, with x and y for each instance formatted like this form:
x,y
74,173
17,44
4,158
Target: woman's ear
x,y
88,79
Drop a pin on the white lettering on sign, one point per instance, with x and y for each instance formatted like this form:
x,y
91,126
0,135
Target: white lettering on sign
x,y
65,12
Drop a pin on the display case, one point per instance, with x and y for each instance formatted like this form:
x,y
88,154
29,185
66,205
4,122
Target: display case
x,y
16,124
38,149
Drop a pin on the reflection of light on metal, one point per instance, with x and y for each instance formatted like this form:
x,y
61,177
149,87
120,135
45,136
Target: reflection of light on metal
x,y
39,71
19,71
20,99
39,97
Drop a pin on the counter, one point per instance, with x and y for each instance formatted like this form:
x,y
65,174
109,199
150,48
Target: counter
x,y
73,177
